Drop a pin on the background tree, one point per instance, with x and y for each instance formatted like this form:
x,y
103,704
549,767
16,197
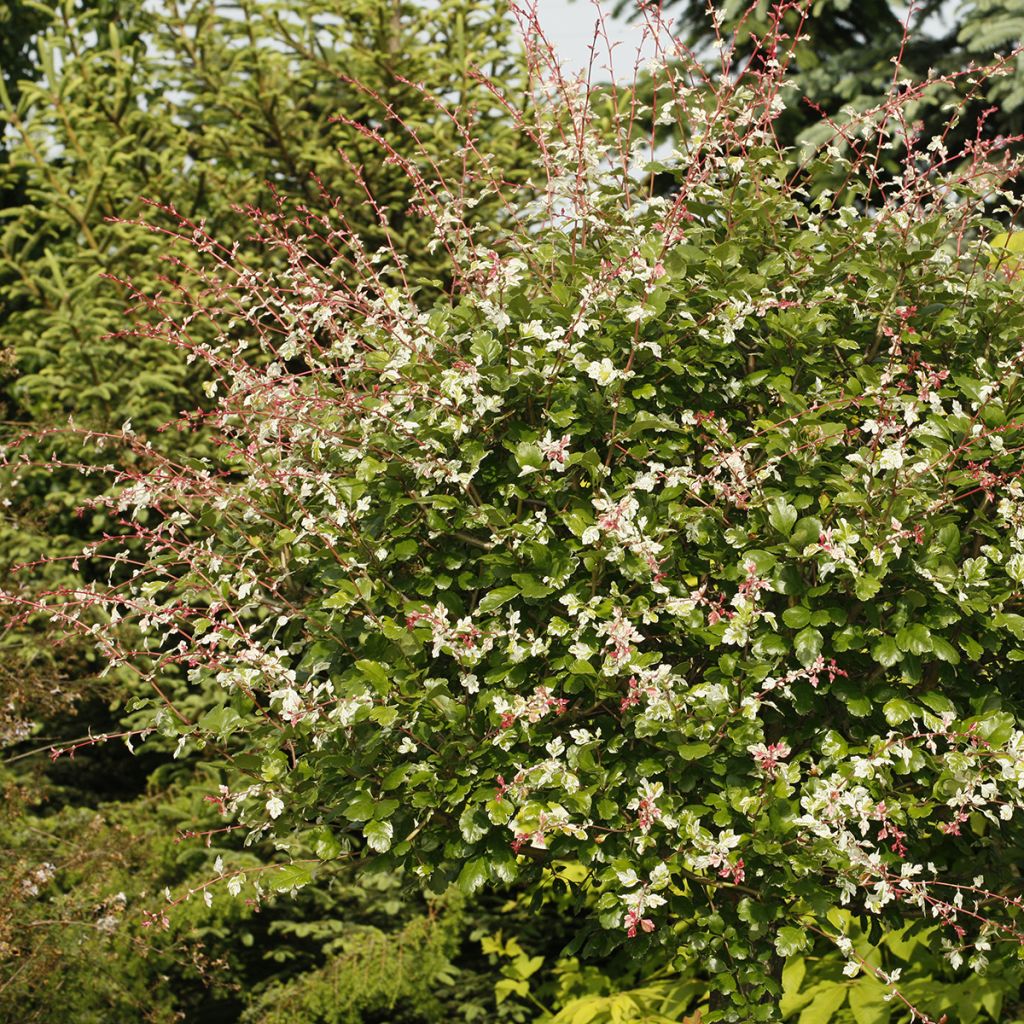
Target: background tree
x,y
846,56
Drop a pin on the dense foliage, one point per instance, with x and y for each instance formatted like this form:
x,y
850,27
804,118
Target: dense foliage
x,y
103,102
677,555
638,549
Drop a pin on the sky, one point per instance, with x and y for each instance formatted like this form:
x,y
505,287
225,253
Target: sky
x,y
569,25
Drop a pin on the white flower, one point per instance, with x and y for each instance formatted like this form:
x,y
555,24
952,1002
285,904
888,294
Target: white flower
x,y
603,372
555,451
235,885
275,805
292,705
891,458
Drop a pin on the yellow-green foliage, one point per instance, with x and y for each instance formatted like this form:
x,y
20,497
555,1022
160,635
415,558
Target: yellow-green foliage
x,y
374,972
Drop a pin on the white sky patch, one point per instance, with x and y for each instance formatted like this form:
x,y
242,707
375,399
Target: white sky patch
x,y
569,27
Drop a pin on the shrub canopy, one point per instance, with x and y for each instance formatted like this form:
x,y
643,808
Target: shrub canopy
x,y
683,545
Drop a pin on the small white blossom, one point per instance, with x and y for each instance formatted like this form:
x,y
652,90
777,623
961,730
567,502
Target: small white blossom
x,y
603,372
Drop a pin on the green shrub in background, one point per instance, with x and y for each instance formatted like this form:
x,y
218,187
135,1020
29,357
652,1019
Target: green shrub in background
x,y
199,106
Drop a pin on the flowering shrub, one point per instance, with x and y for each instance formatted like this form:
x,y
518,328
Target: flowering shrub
x,y
685,543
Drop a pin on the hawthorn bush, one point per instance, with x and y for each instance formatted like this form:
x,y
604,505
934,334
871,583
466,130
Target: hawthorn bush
x,y
679,551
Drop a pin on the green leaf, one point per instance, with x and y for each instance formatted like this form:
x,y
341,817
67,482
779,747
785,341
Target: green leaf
x,y
793,974
496,598
486,347
782,515
384,715
529,458
404,550
915,638
945,651
326,845
867,1002
790,940
378,835
808,644
376,673
222,721
897,711
384,808
499,811
510,986
692,751
886,652
577,521
1011,243
290,876
807,531
938,702
796,617
360,809
1011,621
971,647
824,1006
473,876
531,587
